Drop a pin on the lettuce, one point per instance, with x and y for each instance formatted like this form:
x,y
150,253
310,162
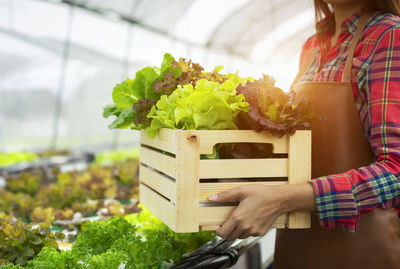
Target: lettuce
x,y
138,90
12,158
273,109
134,241
207,106
135,98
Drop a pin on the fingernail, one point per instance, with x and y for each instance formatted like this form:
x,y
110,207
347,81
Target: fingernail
x,y
213,197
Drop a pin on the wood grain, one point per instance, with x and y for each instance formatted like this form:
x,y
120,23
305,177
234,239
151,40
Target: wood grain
x,y
163,163
299,172
242,168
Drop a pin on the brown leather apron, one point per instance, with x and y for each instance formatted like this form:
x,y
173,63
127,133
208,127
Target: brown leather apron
x,y
338,145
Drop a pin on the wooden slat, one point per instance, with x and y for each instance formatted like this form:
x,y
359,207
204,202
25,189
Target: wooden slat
x,y
158,205
206,189
158,182
208,138
64,245
165,140
239,168
209,227
299,172
187,182
214,216
157,160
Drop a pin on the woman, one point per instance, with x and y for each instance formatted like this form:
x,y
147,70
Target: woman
x,y
350,71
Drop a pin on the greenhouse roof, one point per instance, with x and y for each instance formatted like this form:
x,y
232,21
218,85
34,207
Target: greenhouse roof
x,y
60,59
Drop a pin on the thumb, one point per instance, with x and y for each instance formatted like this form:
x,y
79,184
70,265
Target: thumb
x,y
233,195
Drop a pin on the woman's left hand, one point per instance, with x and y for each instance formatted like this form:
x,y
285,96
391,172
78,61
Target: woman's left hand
x,y
259,206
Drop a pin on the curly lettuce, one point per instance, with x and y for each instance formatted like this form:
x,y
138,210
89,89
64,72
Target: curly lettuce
x,y
207,106
273,109
137,91
135,98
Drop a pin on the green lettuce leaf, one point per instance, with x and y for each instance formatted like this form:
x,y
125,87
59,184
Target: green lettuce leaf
x,y
111,110
166,66
123,94
124,119
138,90
207,106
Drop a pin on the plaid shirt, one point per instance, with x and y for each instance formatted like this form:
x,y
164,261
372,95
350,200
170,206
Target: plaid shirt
x,y
341,198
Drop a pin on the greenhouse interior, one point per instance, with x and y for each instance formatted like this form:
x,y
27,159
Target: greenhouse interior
x,y
87,175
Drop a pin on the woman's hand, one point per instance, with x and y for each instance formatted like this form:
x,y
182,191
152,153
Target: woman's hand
x,y
260,205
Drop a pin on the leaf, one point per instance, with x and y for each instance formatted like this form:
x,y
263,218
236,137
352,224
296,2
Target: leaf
x,y
36,240
111,110
166,66
29,252
208,105
151,84
20,261
272,109
218,68
124,120
184,72
142,109
143,84
124,95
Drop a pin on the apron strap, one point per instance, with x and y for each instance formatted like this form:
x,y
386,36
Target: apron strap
x,y
346,77
305,67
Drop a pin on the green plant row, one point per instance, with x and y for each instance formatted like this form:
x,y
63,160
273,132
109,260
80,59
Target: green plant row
x,y
8,159
30,198
134,241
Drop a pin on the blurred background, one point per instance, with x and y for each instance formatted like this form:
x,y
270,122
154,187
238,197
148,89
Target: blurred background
x,y
59,60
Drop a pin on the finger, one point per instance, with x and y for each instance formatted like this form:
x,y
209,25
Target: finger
x,y
233,195
259,230
235,234
226,228
244,235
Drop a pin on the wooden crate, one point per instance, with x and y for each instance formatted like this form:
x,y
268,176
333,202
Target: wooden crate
x,y
171,169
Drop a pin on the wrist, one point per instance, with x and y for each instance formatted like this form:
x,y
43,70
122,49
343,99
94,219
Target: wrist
x,y
299,197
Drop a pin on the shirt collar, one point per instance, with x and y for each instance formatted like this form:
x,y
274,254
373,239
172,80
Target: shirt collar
x,y
348,25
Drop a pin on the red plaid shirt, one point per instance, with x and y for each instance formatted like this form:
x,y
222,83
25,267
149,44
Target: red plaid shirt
x,y
376,88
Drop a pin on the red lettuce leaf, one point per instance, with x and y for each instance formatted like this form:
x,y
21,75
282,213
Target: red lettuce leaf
x,y
273,109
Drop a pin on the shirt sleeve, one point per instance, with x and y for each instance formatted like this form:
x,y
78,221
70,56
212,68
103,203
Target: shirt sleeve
x,y
342,198
307,50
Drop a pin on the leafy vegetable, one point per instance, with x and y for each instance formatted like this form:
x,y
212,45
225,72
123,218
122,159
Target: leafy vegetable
x,y
135,98
142,107
180,95
207,106
272,109
50,258
30,197
19,204
146,221
138,90
20,242
98,236
26,182
42,215
7,159
134,241
117,156
189,73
